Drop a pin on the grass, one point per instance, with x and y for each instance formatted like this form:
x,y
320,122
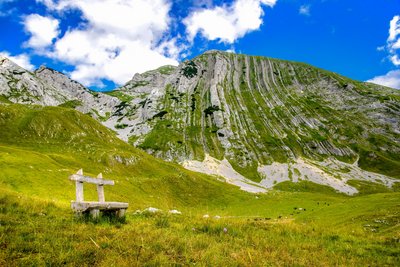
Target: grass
x,y
121,126
166,70
365,187
38,232
71,104
305,186
163,137
4,99
39,150
120,95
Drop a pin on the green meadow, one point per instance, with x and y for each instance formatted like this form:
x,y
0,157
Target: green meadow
x,y
295,224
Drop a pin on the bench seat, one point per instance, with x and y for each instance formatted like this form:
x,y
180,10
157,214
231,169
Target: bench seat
x,y
94,207
82,206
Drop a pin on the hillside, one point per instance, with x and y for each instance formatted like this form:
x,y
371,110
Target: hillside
x,y
39,149
255,121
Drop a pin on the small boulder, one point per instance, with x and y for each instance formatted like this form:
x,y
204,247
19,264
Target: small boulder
x,y
152,210
175,212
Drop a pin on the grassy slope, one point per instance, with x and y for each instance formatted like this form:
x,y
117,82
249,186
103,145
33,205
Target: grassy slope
x,y
37,154
40,147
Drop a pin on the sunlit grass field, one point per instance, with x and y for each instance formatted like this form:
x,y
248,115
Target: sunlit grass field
x,y
361,231
302,225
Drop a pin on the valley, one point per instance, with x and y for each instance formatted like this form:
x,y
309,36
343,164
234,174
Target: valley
x,y
269,162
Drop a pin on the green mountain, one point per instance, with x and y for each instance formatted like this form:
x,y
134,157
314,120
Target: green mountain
x,y
300,222
270,119
41,146
257,122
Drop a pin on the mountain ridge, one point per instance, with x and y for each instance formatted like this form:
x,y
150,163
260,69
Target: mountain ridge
x,y
262,115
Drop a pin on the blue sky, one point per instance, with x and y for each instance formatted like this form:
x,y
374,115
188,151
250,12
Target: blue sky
x,y
103,43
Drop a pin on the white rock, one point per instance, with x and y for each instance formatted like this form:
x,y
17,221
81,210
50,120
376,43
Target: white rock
x,y
152,210
175,212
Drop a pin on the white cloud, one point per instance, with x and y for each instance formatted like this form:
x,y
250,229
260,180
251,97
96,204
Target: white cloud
x,y
393,41
48,3
394,29
21,60
395,60
396,44
305,10
231,50
106,56
42,29
391,79
380,48
119,38
228,22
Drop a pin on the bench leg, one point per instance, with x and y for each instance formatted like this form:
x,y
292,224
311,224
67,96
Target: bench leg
x,y
95,213
120,213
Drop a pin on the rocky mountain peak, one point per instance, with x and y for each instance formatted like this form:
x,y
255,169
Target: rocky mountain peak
x,y
21,86
41,68
8,66
252,120
255,111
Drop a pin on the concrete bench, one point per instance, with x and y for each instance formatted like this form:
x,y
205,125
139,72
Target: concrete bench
x,y
80,206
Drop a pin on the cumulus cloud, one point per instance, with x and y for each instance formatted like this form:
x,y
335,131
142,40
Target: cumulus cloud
x,y
21,60
43,30
391,79
393,41
394,29
227,23
118,39
106,56
305,10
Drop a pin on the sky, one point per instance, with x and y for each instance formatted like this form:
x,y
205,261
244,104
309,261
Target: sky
x,y
103,43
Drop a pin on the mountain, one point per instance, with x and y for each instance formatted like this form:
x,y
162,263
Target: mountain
x,y
219,225
41,146
265,119
300,222
49,87
21,86
98,105
255,121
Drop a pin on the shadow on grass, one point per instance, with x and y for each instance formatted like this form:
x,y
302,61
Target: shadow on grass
x,y
105,218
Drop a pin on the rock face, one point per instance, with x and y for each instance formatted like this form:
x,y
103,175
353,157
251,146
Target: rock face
x,y
100,106
49,87
21,86
255,118
255,111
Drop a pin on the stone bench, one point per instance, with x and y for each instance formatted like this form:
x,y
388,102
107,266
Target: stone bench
x,y
81,206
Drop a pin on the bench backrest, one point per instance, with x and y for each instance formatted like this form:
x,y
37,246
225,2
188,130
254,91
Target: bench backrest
x,y
79,179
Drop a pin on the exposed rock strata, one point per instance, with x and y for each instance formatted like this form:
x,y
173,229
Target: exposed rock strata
x,y
260,118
